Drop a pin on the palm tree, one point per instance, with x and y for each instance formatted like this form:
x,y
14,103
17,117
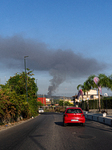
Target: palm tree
x,y
80,86
85,87
109,82
104,81
91,85
90,81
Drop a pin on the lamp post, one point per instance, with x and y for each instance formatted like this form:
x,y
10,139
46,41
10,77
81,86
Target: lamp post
x,y
25,77
37,87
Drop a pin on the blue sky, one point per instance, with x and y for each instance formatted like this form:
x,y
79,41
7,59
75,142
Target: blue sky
x,y
50,30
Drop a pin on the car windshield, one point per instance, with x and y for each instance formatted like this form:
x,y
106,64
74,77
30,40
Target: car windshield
x,y
74,111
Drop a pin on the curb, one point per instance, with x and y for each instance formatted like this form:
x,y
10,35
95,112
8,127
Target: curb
x,y
105,120
10,125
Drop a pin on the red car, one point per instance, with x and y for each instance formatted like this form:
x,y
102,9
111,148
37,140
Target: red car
x,y
73,115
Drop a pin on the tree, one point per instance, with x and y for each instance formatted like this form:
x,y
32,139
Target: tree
x,y
11,105
39,104
79,86
90,82
60,103
110,82
82,88
17,83
85,87
68,104
16,90
104,81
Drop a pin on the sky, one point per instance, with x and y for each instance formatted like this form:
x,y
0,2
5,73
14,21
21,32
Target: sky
x,y
66,41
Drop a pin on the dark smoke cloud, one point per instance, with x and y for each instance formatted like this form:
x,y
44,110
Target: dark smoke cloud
x,y
60,63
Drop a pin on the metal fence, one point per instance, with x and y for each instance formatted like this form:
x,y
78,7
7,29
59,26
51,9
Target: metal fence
x,y
94,104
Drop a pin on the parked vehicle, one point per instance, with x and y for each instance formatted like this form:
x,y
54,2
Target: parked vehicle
x,y
73,115
41,110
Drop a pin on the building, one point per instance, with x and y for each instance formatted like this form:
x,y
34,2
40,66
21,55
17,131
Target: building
x,y
48,102
67,99
90,95
42,100
71,101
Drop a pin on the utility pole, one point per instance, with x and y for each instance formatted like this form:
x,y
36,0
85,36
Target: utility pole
x,y
43,99
37,87
25,77
99,99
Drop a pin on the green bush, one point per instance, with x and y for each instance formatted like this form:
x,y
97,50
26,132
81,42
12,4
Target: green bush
x,y
13,101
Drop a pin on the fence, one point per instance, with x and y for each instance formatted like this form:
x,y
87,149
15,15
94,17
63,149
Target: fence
x,y
106,103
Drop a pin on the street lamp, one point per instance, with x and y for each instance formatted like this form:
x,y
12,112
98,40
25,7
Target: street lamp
x,y
36,87
25,77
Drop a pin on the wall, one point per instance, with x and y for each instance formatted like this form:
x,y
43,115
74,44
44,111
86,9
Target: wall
x,y
42,100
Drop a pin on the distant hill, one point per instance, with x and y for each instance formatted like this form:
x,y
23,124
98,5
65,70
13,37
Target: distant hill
x,y
54,97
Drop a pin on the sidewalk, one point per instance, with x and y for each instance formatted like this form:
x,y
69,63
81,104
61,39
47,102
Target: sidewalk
x,y
99,117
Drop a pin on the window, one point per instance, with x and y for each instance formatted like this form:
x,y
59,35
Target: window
x,y
91,96
74,111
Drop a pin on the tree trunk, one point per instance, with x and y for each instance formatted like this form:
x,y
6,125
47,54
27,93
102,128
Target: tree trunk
x,y
87,102
99,99
87,94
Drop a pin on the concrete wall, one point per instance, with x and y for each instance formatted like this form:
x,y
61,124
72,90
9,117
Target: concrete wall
x,y
99,118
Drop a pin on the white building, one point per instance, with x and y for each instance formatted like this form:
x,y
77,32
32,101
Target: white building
x,y
90,95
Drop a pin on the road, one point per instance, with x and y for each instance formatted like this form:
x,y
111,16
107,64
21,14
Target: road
x,y
46,132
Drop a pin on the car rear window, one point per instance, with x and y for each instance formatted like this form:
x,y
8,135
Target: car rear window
x,y
74,111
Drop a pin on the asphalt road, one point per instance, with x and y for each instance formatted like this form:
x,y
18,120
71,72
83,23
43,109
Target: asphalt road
x,y
46,132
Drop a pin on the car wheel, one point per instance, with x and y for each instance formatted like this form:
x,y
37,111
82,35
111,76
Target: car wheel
x,y
64,124
83,124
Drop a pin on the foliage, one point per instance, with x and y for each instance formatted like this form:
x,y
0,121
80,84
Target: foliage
x,y
56,101
68,104
106,103
18,84
13,100
11,105
39,104
60,103
85,87
104,81
7,107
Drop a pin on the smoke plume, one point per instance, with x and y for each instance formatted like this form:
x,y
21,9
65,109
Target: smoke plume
x,y
59,63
